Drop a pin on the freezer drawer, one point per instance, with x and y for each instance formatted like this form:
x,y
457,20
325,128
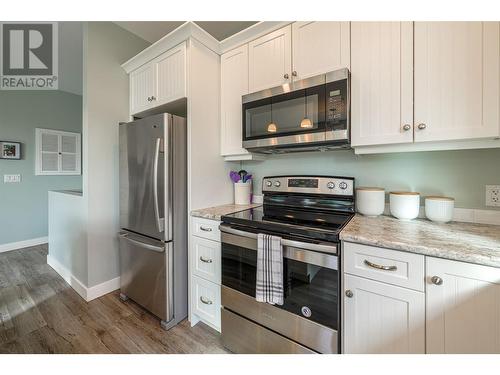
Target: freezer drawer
x,y
145,274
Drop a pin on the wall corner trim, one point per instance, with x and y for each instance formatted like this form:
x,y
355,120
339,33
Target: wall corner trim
x,y
22,244
88,294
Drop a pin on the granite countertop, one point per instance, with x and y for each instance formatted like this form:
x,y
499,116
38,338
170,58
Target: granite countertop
x,y
215,213
467,242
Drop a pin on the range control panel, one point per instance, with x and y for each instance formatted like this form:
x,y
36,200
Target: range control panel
x,y
309,185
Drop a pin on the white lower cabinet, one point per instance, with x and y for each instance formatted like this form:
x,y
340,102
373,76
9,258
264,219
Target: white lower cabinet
x,y
205,270
382,318
457,312
463,307
205,301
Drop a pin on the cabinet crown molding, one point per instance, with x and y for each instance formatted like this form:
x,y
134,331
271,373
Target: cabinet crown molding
x,y
192,30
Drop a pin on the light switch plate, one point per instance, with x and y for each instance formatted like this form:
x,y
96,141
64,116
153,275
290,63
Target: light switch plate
x,y
493,195
11,178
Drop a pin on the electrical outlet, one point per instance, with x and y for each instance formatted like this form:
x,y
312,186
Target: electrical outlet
x,y
11,178
493,195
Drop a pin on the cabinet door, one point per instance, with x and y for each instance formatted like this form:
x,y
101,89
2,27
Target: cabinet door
x,y
381,83
171,75
382,318
456,80
319,47
142,88
463,311
270,60
234,84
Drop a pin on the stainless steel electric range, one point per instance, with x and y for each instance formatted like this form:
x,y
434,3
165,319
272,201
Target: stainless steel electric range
x,y
308,213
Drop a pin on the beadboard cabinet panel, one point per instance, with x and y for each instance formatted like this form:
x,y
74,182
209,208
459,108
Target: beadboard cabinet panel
x,y
382,83
234,84
456,80
309,55
171,75
142,88
463,308
270,60
382,318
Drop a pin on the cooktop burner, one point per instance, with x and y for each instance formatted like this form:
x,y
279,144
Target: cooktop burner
x,y
300,207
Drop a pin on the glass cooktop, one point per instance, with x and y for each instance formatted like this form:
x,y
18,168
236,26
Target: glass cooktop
x,y
290,222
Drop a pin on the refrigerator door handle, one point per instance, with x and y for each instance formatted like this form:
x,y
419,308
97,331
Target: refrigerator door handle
x,y
159,221
158,249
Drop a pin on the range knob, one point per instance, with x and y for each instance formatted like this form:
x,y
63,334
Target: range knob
x,y
330,185
277,183
343,185
269,183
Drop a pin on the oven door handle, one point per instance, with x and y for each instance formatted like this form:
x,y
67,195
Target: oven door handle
x,y
331,249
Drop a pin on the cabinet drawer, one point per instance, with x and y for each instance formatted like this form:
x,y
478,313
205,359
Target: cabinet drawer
x,y
205,228
205,301
206,259
389,266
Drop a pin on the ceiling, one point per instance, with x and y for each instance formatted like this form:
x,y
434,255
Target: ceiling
x,y
152,31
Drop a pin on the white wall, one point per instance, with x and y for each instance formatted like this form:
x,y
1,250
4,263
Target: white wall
x,y
106,102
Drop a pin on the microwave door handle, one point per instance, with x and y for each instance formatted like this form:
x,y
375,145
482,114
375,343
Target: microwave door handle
x,y
159,222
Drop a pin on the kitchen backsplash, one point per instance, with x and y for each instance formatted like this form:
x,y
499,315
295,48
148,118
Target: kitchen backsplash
x,y
460,174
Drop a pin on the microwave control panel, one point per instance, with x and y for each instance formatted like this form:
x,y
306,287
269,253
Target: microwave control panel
x,y
337,104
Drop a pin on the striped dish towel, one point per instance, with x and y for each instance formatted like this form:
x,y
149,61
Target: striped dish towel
x,y
269,286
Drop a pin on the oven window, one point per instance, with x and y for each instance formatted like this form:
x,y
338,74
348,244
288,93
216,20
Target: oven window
x,y
239,268
297,112
311,291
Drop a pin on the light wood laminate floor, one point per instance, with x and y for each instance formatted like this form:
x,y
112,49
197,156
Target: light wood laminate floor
x,y
40,313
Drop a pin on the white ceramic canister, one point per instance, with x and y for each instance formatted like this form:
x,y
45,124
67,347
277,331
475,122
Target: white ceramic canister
x,y
404,205
439,209
370,201
242,192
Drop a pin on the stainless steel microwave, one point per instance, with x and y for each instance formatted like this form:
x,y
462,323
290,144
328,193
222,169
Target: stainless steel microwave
x,y
310,114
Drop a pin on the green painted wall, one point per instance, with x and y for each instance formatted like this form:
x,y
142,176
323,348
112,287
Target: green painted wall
x,y
23,206
460,174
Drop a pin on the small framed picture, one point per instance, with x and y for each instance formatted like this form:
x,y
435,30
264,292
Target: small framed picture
x,y
10,150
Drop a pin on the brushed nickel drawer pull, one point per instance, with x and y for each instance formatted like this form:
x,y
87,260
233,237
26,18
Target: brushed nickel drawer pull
x,y
205,260
379,267
205,229
205,301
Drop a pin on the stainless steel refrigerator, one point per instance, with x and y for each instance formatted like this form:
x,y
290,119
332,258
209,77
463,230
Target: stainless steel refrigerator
x,y
153,215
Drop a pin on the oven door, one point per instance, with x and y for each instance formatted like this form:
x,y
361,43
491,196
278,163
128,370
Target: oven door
x,y
310,311
295,117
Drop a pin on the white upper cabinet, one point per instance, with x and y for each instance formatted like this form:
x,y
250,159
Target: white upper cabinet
x,y
382,83
142,88
456,80
270,60
171,75
319,47
382,318
234,84
159,81
463,307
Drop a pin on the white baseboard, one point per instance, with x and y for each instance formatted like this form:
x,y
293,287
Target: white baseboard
x,y
103,288
76,284
88,294
22,244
